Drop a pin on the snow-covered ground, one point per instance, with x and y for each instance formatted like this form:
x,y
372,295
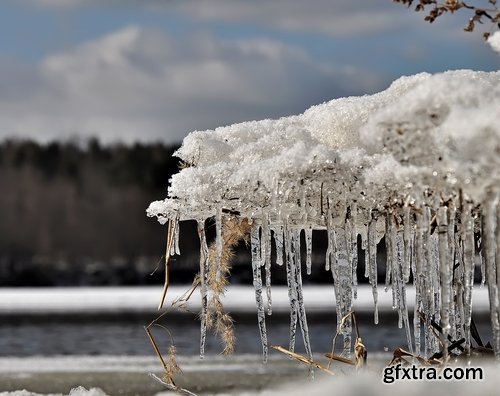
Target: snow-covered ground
x,y
243,376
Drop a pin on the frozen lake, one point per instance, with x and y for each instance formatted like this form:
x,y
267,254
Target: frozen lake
x,y
110,321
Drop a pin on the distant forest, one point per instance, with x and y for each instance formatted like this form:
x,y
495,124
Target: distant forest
x,y
73,214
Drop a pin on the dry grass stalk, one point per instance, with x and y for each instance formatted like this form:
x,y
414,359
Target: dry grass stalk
x,y
170,366
302,359
170,240
360,353
175,388
233,231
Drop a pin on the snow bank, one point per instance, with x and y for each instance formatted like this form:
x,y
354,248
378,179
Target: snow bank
x,y
80,391
429,127
418,164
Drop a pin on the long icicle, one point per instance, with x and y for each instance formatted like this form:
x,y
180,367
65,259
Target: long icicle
x,y
400,285
497,260
407,243
419,280
266,258
446,275
290,277
300,298
468,258
455,270
204,285
372,260
354,247
488,226
330,251
257,283
342,275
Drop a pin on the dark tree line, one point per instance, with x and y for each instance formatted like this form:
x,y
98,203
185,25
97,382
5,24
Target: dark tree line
x,y
72,214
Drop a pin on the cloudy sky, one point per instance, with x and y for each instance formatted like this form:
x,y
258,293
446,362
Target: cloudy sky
x,y
154,70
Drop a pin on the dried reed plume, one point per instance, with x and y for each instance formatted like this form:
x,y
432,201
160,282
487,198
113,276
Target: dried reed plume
x,y
233,231
171,367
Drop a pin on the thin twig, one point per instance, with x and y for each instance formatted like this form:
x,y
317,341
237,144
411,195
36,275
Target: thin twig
x,y
155,347
302,359
170,239
175,388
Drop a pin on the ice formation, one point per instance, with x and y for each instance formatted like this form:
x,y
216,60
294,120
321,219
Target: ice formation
x,y
418,163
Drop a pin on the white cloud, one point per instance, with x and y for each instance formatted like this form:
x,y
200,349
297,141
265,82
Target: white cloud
x,y
141,84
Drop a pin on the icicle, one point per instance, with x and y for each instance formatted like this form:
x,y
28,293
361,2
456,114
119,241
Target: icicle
x,y
266,259
342,276
481,261
257,283
446,275
435,274
308,236
330,235
390,246
204,286
419,279
496,331
300,298
458,285
218,237
292,288
488,226
407,244
278,244
174,249
431,283
354,247
401,289
372,260
468,258
389,243
455,270
497,260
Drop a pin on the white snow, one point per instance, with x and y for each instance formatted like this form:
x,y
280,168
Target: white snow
x,y
494,41
79,391
419,161
425,128
238,298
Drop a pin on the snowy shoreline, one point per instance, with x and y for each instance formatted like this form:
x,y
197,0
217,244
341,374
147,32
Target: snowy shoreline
x,y
145,299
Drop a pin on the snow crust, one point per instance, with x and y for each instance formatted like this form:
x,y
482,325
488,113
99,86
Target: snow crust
x,y
79,391
424,131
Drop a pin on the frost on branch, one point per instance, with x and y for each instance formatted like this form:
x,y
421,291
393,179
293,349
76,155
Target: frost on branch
x,y
418,163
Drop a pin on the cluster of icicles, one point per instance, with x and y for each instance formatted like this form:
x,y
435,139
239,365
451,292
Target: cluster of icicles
x,y
435,244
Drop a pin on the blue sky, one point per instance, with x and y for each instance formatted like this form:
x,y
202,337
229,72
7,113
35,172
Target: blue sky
x,y
149,70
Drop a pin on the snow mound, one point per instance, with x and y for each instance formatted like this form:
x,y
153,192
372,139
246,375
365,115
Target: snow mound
x,y
418,164
80,391
441,129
